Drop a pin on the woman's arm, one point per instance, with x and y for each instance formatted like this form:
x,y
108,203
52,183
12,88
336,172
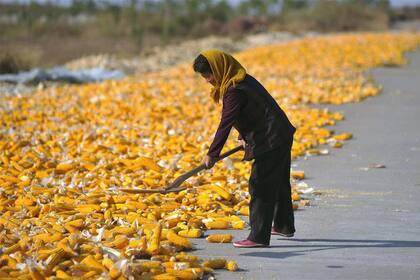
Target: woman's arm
x,y
230,111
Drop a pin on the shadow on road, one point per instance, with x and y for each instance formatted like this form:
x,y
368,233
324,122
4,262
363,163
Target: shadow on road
x,y
327,244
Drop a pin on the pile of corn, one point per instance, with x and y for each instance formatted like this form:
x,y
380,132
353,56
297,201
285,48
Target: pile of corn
x,y
65,152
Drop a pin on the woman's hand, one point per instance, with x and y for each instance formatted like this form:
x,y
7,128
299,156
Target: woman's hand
x,y
209,161
242,142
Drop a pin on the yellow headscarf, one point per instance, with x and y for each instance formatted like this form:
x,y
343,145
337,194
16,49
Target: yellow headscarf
x,y
226,69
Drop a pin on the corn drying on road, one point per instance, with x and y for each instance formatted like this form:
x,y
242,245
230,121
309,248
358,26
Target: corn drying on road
x,y
67,151
366,225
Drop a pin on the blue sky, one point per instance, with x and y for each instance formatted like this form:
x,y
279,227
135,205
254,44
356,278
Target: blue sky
x,y
394,3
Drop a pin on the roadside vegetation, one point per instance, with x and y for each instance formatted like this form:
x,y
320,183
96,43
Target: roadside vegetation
x,y
46,35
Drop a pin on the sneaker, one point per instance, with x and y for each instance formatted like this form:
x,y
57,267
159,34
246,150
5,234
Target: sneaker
x,y
274,231
248,244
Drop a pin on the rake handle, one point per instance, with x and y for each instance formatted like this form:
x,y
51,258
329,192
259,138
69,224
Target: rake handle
x,y
178,181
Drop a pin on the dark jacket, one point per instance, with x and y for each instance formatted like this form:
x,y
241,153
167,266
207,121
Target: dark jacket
x,y
258,118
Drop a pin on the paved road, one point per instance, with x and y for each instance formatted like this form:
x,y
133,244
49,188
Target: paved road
x,y
366,225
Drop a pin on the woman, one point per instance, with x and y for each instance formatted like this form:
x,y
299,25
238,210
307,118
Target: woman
x,y
267,136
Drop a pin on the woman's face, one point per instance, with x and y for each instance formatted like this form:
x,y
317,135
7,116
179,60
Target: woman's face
x,y
209,78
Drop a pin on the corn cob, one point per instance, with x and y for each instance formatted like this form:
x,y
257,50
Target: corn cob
x,y
217,224
343,136
182,257
93,264
295,197
217,263
119,243
88,208
222,192
178,240
63,167
191,233
244,210
231,266
153,247
124,230
53,260
165,276
298,174
76,223
187,274
35,273
219,238
62,275
12,249
89,275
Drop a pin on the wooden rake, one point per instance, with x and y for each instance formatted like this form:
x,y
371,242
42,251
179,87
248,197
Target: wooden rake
x,y
176,185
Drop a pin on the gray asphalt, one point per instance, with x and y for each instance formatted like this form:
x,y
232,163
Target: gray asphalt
x,y
366,224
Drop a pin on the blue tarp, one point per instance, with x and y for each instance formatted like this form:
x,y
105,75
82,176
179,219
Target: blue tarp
x,y
60,74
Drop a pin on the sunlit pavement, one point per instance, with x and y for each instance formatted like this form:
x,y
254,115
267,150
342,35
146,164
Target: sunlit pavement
x,y
366,224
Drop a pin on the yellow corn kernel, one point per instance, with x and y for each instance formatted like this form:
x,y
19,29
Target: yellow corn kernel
x,y
178,240
169,264
244,210
114,273
89,275
62,275
165,276
150,264
208,270
108,215
238,224
108,263
187,274
295,197
161,258
153,247
53,260
220,238
88,208
71,229
119,243
17,166
217,263
47,237
12,249
182,226
191,233
343,136
63,167
298,174
45,253
5,160
76,223
182,257
138,243
35,273
88,166
137,205
123,230
148,163
218,224
93,264
10,178
41,174
231,266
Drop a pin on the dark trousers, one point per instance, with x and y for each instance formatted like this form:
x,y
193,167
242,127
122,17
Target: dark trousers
x,y
270,190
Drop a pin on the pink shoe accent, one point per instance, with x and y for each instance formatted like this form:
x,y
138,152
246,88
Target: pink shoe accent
x,y
247,244
275,232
